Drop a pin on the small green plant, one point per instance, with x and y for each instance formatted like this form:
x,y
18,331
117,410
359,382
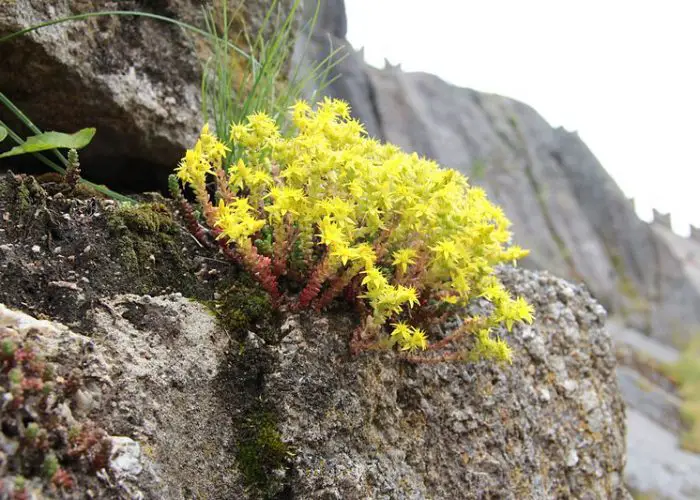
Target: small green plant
x,y
32,389
49,141
331,211
234,87
686,373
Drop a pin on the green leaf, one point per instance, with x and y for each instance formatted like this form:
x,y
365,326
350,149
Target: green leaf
x,y
52,140
3,133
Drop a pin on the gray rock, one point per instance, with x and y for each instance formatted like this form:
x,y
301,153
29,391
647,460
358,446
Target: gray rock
x,y
652,401
642,344
370,426
374,427
656,466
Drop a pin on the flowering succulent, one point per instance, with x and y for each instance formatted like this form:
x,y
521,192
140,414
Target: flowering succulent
x,y
327,207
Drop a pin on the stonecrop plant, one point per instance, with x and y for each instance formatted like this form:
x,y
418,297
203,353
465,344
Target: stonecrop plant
x,y
324,211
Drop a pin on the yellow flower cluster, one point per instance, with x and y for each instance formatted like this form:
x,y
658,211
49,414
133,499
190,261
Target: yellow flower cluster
x,y
416,236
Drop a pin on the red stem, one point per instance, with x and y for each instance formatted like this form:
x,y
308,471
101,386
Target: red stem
x,y
313,287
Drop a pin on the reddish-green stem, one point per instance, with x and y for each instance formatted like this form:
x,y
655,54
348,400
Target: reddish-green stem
x,y
313,286
193,225
280,247
222,186
261,268
337,284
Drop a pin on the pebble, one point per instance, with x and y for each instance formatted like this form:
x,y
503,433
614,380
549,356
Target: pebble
x,y
126,456
571,458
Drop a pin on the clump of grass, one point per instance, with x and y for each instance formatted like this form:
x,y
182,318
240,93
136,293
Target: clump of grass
x,y
234,87
687,373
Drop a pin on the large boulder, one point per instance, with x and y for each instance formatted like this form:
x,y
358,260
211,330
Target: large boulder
x,y
551,425
304,419
207,393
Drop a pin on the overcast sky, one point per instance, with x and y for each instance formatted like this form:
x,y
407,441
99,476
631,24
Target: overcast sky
x,y
624,74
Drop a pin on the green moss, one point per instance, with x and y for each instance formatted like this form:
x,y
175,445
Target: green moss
x,y
143,235
241,304
23,198
146,218
261,451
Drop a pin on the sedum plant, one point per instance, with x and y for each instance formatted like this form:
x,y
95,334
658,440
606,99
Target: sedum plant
x,y
329,212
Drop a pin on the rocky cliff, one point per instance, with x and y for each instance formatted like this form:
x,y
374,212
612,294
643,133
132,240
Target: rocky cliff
x,y
564,206
164,373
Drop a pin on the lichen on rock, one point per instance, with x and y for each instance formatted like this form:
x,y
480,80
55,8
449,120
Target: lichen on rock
x,y
244,404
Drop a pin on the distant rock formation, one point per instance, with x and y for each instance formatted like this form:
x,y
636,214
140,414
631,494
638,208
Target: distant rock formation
x,y
663,219
695,233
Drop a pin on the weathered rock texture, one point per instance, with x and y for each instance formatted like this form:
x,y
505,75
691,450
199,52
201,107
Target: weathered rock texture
x,y
551,425
277,405
565,208
147,367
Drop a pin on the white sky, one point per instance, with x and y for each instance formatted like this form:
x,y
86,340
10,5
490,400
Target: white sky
x,y
624,74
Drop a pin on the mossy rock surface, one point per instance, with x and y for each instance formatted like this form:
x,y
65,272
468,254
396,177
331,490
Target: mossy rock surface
x,y
69,257
64,253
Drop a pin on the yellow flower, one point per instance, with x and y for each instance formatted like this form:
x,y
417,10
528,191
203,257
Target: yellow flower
x,y
446,251
416,341
374,279
404,258
401,333
330,233
345,253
